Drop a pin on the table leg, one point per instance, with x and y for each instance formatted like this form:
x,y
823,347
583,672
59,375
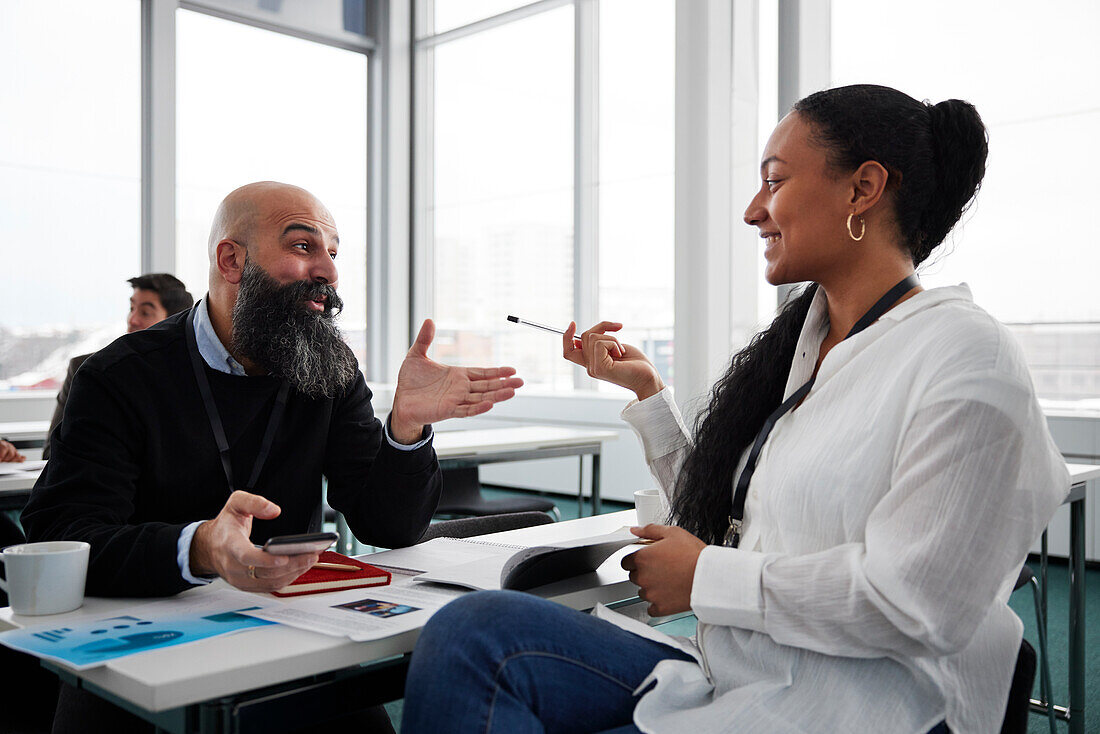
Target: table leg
x,y
1077,617
1043,579
580,486
596,483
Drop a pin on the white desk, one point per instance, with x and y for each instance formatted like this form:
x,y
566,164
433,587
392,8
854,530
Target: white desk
x,y
16,488
194,687
25,434
461,449
173,678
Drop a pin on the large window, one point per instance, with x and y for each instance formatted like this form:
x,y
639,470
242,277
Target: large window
x,y
636,167
267,106
1028,246
449,14
503,194
70,167
509,149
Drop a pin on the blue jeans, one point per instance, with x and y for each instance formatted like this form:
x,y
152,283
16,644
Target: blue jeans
x,y
502,661
508,663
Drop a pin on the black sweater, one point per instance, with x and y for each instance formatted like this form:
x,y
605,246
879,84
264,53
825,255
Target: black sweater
x,y
134,461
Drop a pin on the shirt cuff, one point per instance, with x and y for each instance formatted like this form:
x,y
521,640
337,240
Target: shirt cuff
x,y
658,424
424,438
183,555
726,589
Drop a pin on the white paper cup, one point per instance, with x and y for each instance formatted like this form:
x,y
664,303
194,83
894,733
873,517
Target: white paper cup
x,y
647,503
45,578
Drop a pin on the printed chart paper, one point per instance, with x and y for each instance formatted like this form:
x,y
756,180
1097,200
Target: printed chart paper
x,y
88,643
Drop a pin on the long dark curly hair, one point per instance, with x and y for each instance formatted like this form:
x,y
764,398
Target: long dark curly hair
x,y
935,156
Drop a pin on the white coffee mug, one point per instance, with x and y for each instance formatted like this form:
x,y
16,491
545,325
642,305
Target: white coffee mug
x,y
45,578
647,503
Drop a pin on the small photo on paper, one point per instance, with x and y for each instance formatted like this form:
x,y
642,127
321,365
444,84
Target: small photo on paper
x,y
377,608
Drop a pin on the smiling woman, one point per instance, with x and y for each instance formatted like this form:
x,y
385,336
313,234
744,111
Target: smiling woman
x,y
840,528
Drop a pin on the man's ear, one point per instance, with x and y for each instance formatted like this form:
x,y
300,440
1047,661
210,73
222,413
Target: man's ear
x,y
230,257
868,185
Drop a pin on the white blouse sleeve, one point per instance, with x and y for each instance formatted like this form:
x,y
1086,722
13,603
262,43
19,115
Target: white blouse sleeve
x,y
660,427
975,480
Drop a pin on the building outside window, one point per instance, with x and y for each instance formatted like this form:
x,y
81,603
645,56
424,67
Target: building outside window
x,y
70,182
268,106
538,198
1027,247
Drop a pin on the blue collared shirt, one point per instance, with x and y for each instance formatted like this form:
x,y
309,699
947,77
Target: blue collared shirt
x,y
218,358
210,346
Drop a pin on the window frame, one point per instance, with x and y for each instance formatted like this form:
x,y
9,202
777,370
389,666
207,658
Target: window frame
x,y
158,157
585,133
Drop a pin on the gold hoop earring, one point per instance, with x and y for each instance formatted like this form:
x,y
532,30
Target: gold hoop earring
x,y
862,227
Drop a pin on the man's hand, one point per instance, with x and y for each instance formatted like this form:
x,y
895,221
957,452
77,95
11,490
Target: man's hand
x,y
665,570
428,392
606,358
222,546
8,452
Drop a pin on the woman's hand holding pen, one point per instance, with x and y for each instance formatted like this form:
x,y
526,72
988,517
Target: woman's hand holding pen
x,y
664,570
606,358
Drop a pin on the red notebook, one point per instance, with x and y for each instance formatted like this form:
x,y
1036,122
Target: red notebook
x,y
316,580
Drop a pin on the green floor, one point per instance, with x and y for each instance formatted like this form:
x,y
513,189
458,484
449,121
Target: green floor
x,y
1021,602
1058,635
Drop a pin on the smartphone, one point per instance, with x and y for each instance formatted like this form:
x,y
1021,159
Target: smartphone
x,y
289,545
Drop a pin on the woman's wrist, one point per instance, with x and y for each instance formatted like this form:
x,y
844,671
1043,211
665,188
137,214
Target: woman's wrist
x,y
649,390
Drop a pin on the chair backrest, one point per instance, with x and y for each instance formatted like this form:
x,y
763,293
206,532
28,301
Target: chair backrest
x,y
469,526
1016,709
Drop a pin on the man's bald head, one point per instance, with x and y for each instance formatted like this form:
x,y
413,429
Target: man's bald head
x,y
259,214
240,211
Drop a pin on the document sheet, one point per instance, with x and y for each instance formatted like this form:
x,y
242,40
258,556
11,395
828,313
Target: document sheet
x,y
381,611
186,618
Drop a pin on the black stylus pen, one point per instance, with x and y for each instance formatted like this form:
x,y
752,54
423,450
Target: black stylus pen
x,y
544,327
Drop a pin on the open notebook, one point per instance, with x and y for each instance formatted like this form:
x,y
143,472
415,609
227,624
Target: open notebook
x,y
501,566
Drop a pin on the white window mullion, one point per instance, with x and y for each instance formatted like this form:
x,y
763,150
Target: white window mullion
x,y
804,55
586,171
704,61
158,136
423,184
388,252
744,281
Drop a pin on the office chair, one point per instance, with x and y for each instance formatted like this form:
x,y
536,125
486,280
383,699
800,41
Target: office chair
x,y
1019,693
1027,578
469,526
462,496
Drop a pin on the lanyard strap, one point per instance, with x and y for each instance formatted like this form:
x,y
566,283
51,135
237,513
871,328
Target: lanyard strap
x,y
215,418
737,511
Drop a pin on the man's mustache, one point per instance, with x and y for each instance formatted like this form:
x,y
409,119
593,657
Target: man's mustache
x,y
310,290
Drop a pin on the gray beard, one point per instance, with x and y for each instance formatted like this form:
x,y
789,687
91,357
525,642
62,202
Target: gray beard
x,y
273,329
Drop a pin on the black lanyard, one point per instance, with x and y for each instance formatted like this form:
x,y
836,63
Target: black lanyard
x,y
215,419
737,512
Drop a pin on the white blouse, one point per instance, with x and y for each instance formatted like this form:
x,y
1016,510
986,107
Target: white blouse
x,y
886,522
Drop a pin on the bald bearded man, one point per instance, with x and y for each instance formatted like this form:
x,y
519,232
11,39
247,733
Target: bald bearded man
x,y
186,444
137,471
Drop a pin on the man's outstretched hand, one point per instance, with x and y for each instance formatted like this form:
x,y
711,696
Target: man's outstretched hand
x,y
428,392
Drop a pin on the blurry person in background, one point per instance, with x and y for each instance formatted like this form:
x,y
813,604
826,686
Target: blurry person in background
x,y
156,297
